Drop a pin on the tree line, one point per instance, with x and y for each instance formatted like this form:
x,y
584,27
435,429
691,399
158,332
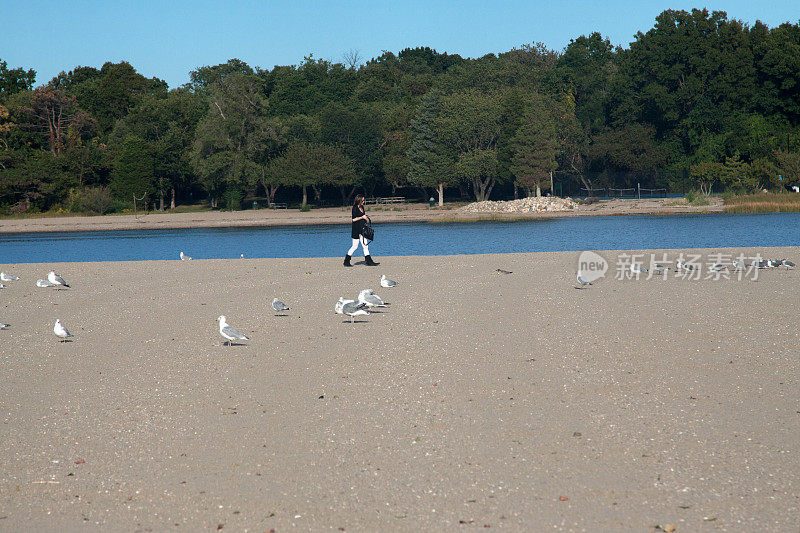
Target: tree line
x,y
699,101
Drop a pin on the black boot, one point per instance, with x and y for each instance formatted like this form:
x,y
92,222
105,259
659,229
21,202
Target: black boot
x,y
347,261
369,262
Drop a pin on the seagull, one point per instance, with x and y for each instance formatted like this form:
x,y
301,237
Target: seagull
x,y
684,266
4,326
8,277
44,283
788,264
659,268
241,256
185,257
55,279
636,268
279,306
229,332
370,299
354,309
60,331
2,286
582,281
385,282
718,267
340,303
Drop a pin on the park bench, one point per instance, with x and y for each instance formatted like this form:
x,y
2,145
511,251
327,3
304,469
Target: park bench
x,y
385,200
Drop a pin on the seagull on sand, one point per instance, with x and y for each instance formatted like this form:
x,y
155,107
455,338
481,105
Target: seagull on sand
x,y
718,267
44,283
788,264
2,286
279,306
354,309
185,257
659,268
683,266
340,303
739,265
385,282
60,331
368,297
581,281
4,326
636,268
8,277
229,332
55,279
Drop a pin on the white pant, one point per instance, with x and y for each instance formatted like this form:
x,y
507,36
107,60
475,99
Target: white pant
x,y
355,245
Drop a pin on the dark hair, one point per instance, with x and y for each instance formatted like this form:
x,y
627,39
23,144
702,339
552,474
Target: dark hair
x,y
357,200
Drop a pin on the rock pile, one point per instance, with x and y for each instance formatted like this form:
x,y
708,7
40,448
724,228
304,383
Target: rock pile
x,y
523,205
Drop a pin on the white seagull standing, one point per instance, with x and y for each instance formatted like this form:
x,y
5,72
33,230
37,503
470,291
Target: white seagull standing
x,y
581,281
340,304
44,283
385,282
8,277
55,279
368,297
185,257
636,268
60,331
354,309
229,332
279,306
4,326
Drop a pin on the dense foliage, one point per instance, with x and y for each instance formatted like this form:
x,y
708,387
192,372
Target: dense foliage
x,y
698,102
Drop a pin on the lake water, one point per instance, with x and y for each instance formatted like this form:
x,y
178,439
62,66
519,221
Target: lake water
x,y
560,234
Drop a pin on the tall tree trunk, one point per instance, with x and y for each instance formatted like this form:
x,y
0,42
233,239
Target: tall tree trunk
x,y
172,201
538,190
305,195
441,194
161,200
516,192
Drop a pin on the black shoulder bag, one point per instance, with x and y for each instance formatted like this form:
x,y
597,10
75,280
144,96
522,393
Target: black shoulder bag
x,y
367,232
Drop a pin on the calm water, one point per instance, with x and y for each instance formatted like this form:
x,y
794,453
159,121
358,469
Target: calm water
x,y
585,233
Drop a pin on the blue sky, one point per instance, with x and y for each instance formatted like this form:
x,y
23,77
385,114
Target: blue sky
x,y
167,39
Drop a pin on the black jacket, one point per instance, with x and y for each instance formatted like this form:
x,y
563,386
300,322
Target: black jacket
x,y
355,231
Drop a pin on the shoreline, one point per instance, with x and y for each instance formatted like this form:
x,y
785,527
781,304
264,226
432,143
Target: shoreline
x,y
335,215
477,398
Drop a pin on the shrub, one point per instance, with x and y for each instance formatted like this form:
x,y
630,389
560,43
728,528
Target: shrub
x,y
97,200
690,196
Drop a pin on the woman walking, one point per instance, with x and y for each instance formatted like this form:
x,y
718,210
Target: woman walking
x,y
359,217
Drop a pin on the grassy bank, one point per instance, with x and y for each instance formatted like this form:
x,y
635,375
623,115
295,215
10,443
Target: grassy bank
x,y
763,203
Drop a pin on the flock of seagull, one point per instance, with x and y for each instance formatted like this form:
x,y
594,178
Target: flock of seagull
x,y
366,299
737,265
53,280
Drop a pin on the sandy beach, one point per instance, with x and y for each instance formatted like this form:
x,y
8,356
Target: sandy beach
x,y
477,400
330,215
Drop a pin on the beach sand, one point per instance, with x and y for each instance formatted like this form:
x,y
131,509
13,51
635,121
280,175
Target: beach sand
x,y
333,215
476,400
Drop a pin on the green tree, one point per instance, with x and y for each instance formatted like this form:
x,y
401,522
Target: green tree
x,y
534,152
311,164
737,176
230,140
705,175
134,170
428,164
168,124
470,123
787,164
15,80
